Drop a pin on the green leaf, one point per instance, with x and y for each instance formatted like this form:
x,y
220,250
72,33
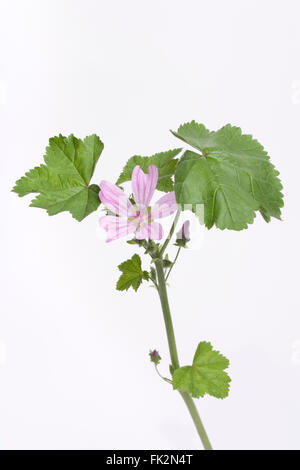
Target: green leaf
x,y
165,162
63,181
232,177
133,274
206,375
167,263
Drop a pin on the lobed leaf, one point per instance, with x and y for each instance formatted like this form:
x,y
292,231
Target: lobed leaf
x,y
132,274
206,375
232,177
165,162
63,181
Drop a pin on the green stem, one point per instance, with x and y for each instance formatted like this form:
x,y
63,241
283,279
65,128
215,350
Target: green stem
x,y
197,420
161,376
177,254
167,240
162,290
154,282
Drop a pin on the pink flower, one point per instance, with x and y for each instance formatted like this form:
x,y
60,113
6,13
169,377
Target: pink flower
x,y
138,218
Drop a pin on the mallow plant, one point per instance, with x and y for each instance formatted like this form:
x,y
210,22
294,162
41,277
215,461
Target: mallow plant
x,y
224,177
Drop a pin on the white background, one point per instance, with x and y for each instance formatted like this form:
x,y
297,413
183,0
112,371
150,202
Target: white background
x,y
74,366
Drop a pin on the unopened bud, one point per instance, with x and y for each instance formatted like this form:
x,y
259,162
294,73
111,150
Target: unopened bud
x,y
183,235
155,357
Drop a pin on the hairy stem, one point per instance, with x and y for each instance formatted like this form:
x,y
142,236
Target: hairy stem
x,y
162,290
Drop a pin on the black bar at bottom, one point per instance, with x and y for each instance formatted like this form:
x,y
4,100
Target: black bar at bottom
x,y
128,458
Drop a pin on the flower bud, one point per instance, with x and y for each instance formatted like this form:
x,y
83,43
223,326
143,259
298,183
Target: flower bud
x,y
183,235
155,357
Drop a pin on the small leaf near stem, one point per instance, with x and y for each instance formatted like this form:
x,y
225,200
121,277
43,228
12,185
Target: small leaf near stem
x,y
166,262
132,274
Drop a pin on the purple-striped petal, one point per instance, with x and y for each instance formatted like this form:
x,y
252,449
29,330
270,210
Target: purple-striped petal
x,y
165,206
117,227
115,199
143,185
154,231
